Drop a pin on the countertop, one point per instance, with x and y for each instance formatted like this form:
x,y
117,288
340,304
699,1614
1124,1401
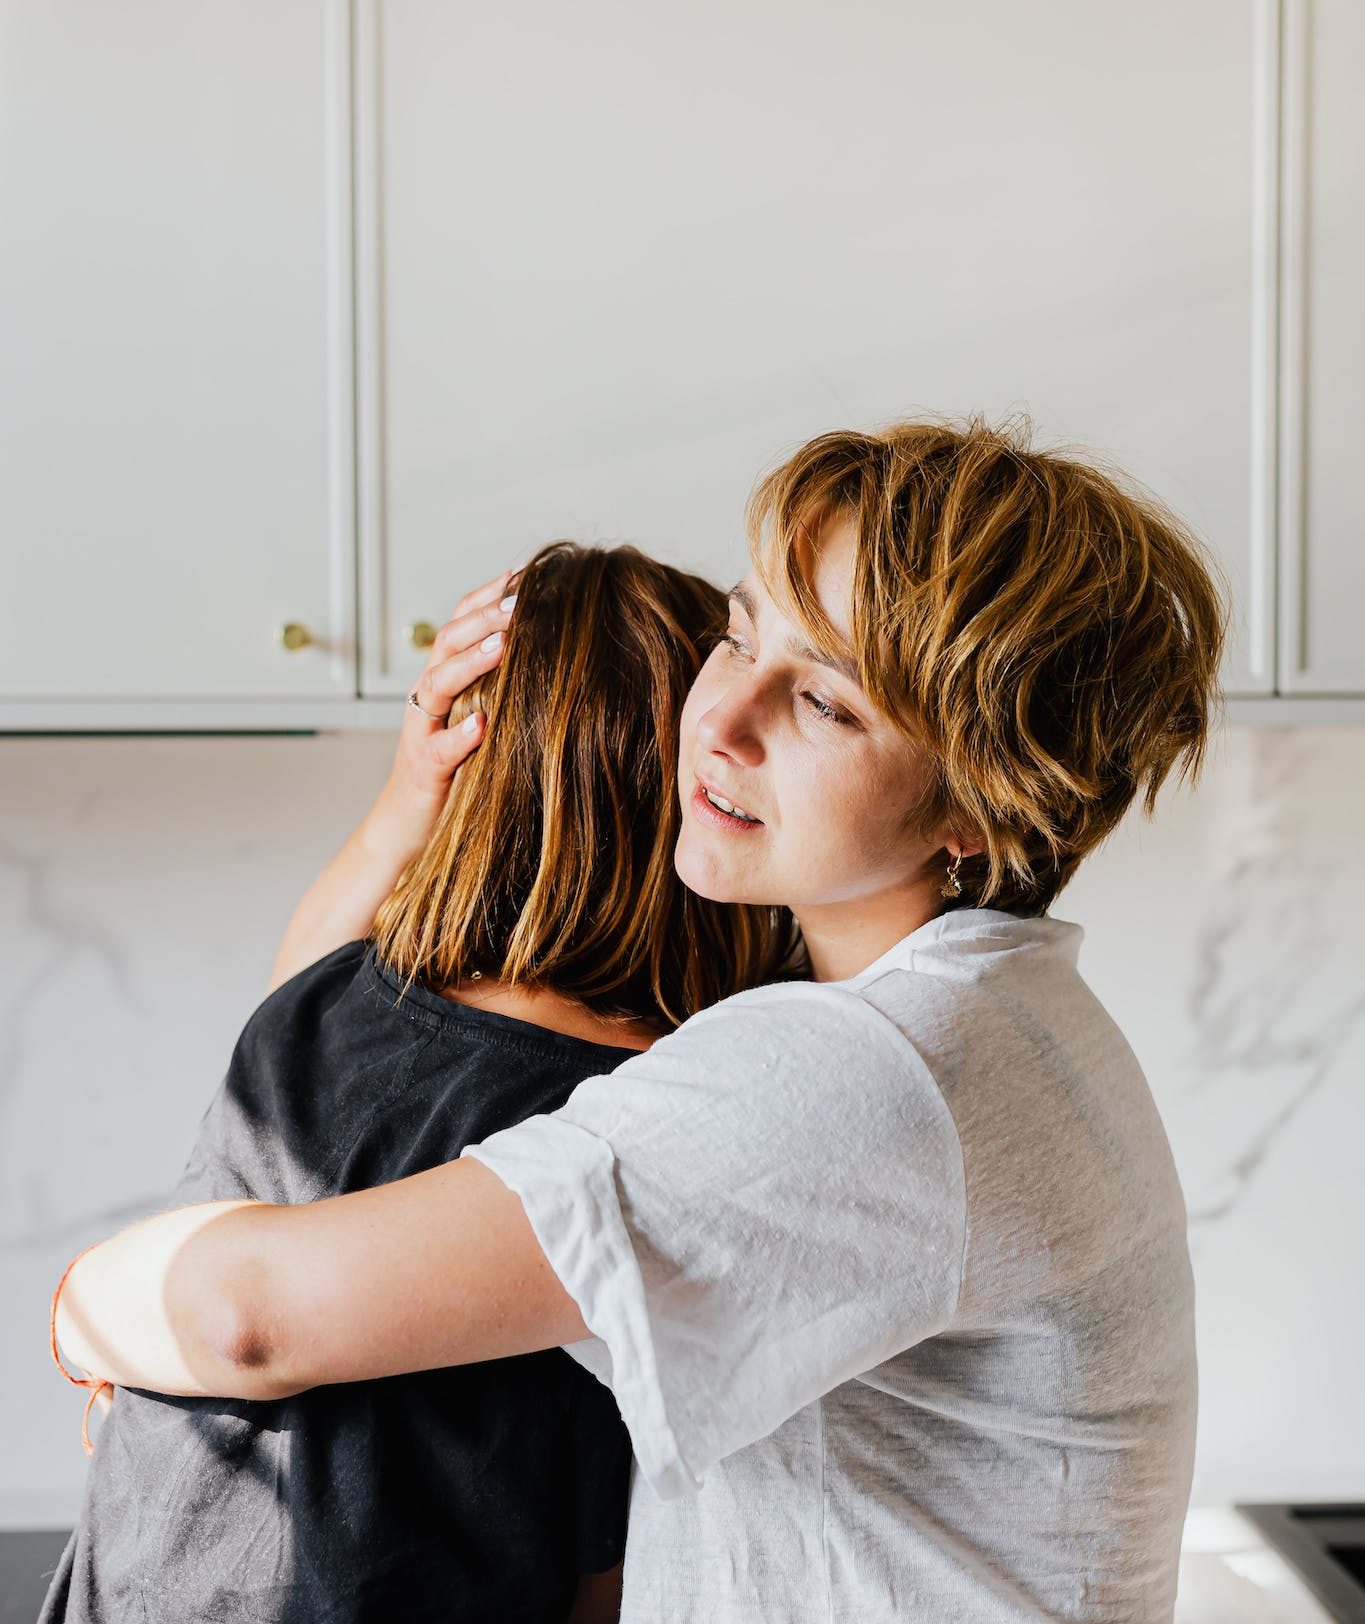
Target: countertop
x,y
1229,1575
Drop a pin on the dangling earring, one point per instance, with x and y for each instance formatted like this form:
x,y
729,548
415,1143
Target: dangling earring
x,y
952,886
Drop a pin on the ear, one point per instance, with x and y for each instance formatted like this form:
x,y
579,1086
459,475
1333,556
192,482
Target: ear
x,y
968,847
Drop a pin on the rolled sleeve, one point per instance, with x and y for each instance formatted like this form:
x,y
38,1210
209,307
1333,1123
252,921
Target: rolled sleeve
x,y
767,1202
566,1179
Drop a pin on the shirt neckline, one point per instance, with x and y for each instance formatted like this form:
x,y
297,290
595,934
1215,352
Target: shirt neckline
x,y
446,1012
989,928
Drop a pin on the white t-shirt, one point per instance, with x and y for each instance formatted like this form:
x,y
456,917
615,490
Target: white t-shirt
x,y
889,1278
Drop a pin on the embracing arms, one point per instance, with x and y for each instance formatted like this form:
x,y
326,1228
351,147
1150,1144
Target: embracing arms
x,y
242,1299
767,1202
245,1299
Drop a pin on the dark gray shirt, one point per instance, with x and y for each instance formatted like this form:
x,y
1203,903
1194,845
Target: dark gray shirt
x,y
476,1493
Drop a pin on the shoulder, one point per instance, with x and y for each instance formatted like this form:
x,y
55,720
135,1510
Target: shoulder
x,y
333,970
315,988
336,999
976,968
803,1025
957,1001
320,1051
788,1071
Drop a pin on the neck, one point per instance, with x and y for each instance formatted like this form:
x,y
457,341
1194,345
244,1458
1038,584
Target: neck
x,y
554,1011
843,938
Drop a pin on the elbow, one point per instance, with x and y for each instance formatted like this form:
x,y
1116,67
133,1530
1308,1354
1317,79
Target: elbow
x,y
247,1357
243,1355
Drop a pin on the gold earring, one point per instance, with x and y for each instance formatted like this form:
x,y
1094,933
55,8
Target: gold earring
x,y
952,886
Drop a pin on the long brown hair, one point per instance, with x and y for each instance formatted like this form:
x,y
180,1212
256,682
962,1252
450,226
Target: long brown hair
x,y
1046,631
551,865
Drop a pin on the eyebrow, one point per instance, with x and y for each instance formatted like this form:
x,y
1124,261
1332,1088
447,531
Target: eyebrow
x,y
845,666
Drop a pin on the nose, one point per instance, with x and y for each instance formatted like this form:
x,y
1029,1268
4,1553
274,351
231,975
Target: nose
x,y
731,727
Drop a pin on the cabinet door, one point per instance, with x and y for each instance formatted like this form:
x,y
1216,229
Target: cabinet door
x,y
1322,579
632,254
175,371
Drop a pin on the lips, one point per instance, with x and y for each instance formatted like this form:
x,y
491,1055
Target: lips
x,y
707,812
732,802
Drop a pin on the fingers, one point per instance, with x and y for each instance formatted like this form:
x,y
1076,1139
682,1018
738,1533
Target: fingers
x,y
467,647
475,641
467,631
490,592
453,746
441,684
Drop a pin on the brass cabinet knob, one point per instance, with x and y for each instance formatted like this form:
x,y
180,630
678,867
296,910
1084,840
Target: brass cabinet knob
x,y
293,636
421,634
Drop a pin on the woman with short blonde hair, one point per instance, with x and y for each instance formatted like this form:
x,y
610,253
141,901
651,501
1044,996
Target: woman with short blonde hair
x,y
885,1268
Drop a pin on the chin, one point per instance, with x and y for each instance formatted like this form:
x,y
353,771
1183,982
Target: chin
x,y
705,877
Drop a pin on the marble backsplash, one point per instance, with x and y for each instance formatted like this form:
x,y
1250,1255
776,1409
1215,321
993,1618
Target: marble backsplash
x,y
144,883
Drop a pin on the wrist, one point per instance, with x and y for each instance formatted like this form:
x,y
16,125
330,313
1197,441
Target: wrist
x,y
394,831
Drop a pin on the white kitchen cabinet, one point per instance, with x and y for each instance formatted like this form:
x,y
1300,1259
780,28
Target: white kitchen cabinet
x,y
175,360
1322,516
615,258
603,264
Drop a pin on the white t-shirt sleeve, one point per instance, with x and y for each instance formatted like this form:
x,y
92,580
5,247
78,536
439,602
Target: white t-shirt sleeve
x,y
766,1203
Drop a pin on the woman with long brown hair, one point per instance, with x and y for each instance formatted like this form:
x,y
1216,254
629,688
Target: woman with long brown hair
x,y
887,1267
539,936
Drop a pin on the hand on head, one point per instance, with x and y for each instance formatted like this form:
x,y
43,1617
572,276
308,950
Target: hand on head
x,y
429,753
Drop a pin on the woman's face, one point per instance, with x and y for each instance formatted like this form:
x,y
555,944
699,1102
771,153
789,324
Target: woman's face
x,y
825,778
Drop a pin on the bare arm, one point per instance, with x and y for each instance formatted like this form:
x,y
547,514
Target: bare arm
x,y
341,903
238,1299
245,1299
598,1600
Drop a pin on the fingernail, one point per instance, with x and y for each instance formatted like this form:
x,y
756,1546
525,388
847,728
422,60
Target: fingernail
x,y
508,601
470,722
491,642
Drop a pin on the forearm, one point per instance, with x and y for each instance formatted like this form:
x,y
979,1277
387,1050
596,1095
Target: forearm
x,y
253,1300
341,903
162,1305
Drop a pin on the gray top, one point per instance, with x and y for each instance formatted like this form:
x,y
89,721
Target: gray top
x,y
465,1495
889,1277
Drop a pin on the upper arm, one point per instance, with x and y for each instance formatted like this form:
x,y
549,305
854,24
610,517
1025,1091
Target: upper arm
x,y
437,1269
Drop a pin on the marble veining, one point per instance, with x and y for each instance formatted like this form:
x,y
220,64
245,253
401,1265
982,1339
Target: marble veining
x,y
145,882
57,940
1277,995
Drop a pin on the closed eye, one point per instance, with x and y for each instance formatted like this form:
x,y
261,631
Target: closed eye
x,y
827,711
733,645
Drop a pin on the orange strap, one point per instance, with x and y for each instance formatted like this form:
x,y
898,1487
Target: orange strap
x,y
95,1383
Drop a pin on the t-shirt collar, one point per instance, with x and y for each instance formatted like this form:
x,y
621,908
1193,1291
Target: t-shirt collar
x,y
963,931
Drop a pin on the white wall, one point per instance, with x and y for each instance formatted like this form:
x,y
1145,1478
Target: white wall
x,y
144,883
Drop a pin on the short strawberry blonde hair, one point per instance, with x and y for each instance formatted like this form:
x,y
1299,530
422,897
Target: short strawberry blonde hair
x,y
1048,634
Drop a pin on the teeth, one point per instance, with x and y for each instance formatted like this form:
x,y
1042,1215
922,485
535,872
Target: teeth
x,y
725,806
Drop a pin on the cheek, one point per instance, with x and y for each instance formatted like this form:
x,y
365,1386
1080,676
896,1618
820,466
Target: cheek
x,y
852,803
886,803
